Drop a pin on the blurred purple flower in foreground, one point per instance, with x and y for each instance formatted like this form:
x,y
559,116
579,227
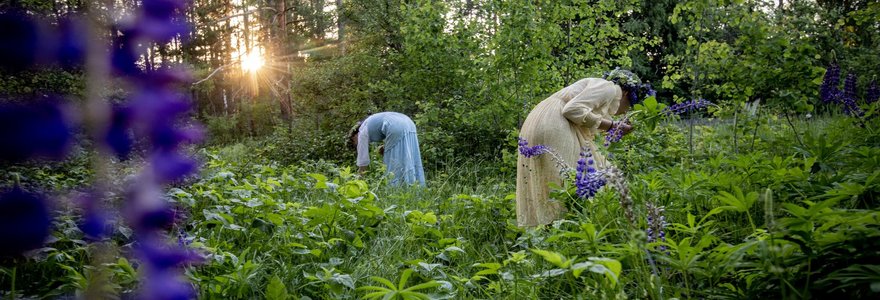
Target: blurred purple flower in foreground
x,y
24,221
155,115
38,130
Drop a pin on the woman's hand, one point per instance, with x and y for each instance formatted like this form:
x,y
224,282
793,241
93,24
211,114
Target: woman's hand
x,y
625,127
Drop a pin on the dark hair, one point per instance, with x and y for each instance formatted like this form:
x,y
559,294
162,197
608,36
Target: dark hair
x,y
353,132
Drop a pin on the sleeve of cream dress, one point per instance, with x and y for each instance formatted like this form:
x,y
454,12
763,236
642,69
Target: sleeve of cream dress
x,y
584,108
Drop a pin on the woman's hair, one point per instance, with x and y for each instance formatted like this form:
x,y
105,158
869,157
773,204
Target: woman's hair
x,y
630,82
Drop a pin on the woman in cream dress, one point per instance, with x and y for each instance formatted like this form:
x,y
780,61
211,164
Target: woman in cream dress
x,y
566,122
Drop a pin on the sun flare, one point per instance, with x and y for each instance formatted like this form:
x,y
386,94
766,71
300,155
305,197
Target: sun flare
x,y
252,62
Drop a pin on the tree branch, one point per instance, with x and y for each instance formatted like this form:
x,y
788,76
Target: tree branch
x,y
213,73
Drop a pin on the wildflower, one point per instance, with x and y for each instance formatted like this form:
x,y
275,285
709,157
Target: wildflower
x,y
118,137
617,179
873,92
587,180
71,42
849,96
656,225
36,130
687,106
94,223
21,40
829,91
614,134
24,221
532,151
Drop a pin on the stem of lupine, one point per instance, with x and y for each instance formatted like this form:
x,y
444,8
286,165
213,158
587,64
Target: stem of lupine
x,y
96,116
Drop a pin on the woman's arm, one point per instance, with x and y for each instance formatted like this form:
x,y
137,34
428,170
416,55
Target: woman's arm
x,y
581,109
363,147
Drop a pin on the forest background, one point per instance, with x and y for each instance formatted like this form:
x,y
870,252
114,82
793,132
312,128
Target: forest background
x,y
298,73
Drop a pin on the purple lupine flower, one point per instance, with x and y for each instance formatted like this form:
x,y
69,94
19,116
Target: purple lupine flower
x,y
163,280
157,109
651,92
71,42
95,222
614,134
848,101
687,106
829,91
656,225
39,130
183,238
532,151
873,92
587,180
20,41
118,137
849,86
24,221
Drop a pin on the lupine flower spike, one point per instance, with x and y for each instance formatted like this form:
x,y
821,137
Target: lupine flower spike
x,y
849,97
873,92
687,106
587,180
532,151
615,133
829,91
656,225
617,179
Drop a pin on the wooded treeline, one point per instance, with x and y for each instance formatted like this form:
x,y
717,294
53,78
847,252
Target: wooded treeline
x,y
468,71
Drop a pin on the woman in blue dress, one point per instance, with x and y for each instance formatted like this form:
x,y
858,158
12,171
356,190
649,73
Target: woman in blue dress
x,y
401,149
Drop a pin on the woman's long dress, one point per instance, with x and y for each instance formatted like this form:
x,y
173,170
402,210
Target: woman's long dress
x,y
565,122
402,155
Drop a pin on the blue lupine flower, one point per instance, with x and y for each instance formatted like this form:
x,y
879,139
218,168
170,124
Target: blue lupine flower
x,y
24,221
171,166
118,137
829,91
123,56
20,41
587,180
849,86
849,96
687,106
39,130
873,92
95,222
163,277
527,151
614,134
168,285
72,42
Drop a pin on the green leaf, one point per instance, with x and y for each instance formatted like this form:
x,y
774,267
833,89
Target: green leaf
x,y
553,257
276,289
384,281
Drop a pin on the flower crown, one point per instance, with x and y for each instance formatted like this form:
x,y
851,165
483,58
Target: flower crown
x,y
627,79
